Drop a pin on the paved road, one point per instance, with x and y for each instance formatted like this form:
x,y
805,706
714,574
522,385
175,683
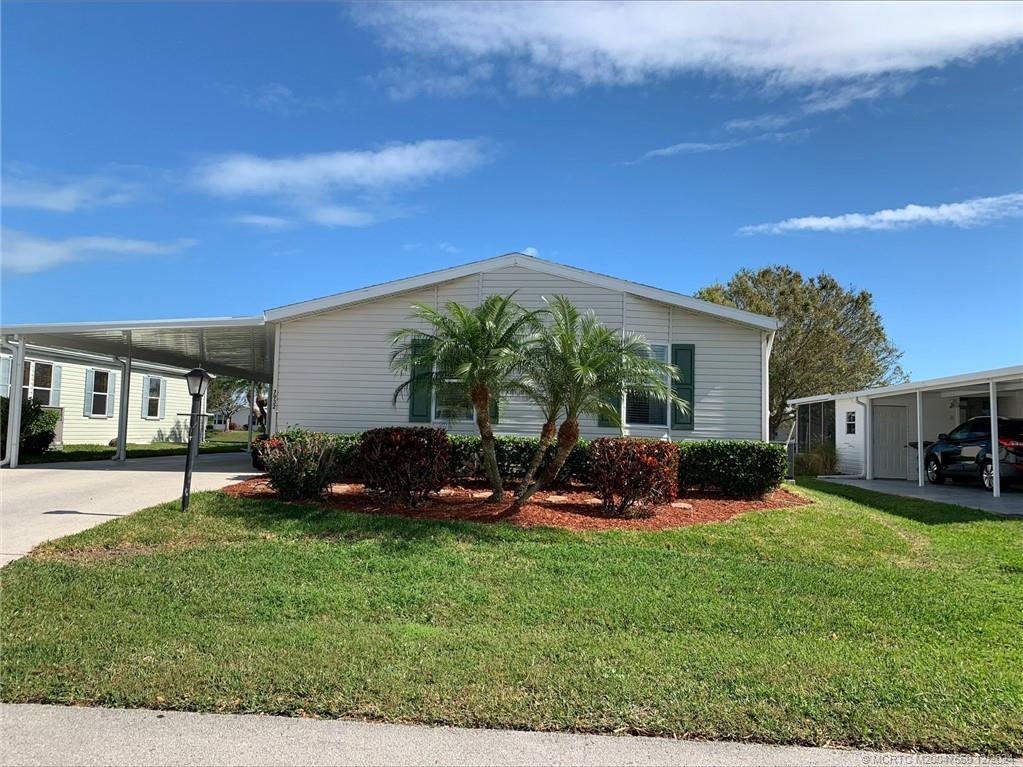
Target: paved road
x,y
44,501
55,735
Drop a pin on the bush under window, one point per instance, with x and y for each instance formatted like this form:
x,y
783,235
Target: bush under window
x,y
633,472
742,468
38,426
405,464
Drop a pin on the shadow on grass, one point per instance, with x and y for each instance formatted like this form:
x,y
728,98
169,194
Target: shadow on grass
x,y
916,509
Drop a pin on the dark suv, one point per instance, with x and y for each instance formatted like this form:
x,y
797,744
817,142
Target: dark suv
x,y
966,452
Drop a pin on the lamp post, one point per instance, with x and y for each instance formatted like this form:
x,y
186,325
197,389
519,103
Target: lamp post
x,y
198,381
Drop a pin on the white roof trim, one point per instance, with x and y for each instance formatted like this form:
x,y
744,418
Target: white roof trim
x,y
965,379
84,327
339,300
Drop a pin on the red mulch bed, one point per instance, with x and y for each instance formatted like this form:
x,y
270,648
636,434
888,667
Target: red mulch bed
x,y
570,509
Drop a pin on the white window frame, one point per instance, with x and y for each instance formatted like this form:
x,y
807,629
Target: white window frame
x,y
29,387
667,410
5,385
108,393
148,398
850,420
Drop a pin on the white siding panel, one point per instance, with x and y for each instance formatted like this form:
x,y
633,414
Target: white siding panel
x,y
849,447
334,367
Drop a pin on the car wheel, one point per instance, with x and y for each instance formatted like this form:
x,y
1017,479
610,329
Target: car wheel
x,y
934,475
987,474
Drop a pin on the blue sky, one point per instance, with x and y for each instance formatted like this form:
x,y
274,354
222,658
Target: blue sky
x,y
205,160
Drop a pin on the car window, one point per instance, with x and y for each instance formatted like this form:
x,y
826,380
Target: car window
x,y
1011,427
960,432
980,427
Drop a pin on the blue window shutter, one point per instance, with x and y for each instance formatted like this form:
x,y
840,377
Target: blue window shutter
x,y
145,396
111,388
163,396
683,357
55,387
5,376
90,381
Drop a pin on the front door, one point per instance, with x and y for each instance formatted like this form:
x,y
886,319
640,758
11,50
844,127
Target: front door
x,y
889,445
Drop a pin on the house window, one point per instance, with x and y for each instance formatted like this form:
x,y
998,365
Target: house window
x,y
98,402
153,395
38,383
850,422
640,408
5,376
449,403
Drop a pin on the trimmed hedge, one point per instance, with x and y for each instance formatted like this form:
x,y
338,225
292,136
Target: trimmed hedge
x,y
629,472
38,426
513,457
406,464
742,468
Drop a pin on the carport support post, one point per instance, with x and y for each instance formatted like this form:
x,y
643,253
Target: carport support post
x,y
868,439
919,438
122,411
14,403
252,404
996,463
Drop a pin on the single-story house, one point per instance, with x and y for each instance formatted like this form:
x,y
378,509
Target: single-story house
x,y
876,432
85,390
327,359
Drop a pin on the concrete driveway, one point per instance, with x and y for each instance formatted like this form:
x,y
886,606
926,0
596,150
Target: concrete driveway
x,y
44,501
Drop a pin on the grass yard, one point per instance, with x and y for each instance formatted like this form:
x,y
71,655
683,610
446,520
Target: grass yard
x,y
236,437
863,620
135,450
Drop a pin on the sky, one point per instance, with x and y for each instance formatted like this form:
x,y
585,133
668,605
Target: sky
x,y
195,160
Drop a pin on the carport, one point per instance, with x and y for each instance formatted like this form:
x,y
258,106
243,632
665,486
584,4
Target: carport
x,y
240,347
885,431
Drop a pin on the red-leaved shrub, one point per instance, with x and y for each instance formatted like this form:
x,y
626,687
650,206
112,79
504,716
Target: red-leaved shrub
x,y
405,463
633,472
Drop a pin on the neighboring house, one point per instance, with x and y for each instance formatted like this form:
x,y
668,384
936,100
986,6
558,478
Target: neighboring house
x,y
331,368
239,419
893,425
86,390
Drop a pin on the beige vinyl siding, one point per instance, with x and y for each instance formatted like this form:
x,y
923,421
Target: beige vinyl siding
x,y
333,367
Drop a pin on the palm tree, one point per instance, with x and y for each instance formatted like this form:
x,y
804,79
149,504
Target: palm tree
x,y
581,367
472,356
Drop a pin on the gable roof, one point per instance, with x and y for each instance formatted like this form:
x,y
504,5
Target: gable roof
x,y
339,300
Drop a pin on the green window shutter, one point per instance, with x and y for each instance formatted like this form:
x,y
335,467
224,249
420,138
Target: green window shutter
x,y
683,357
603,420
495,410
420,395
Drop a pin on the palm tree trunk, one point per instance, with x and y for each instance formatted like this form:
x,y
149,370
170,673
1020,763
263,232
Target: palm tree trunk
x,y
568,436
481,399
546,438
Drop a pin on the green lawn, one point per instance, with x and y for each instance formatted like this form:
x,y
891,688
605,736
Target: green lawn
x,y
139,450
864,620
229,437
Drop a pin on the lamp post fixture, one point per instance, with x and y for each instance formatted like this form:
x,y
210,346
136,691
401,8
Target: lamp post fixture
x,y
198,381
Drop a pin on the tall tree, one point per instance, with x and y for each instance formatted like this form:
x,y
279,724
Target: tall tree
x,y
832,339
582,368
471,357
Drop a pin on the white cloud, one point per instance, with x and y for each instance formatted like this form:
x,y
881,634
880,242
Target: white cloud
x,y
279,98
262,221
700,147
566,45
531,251
340,215
970,213
67,197
315,174
23,252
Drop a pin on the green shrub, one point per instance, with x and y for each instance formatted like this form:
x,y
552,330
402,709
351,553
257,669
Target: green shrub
x,y
405,464
299,464
630,472
741,468
822,459
38,426
513,457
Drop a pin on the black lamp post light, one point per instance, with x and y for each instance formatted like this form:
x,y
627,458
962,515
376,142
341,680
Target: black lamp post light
x,y
198,382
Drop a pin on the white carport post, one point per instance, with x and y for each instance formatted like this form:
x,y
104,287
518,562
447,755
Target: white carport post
x,y
252,405
868,439
996,464
122,411
14,402
919,438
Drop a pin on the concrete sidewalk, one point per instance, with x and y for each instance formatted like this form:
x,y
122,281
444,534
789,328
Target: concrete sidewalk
x,y
56,735
49,500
